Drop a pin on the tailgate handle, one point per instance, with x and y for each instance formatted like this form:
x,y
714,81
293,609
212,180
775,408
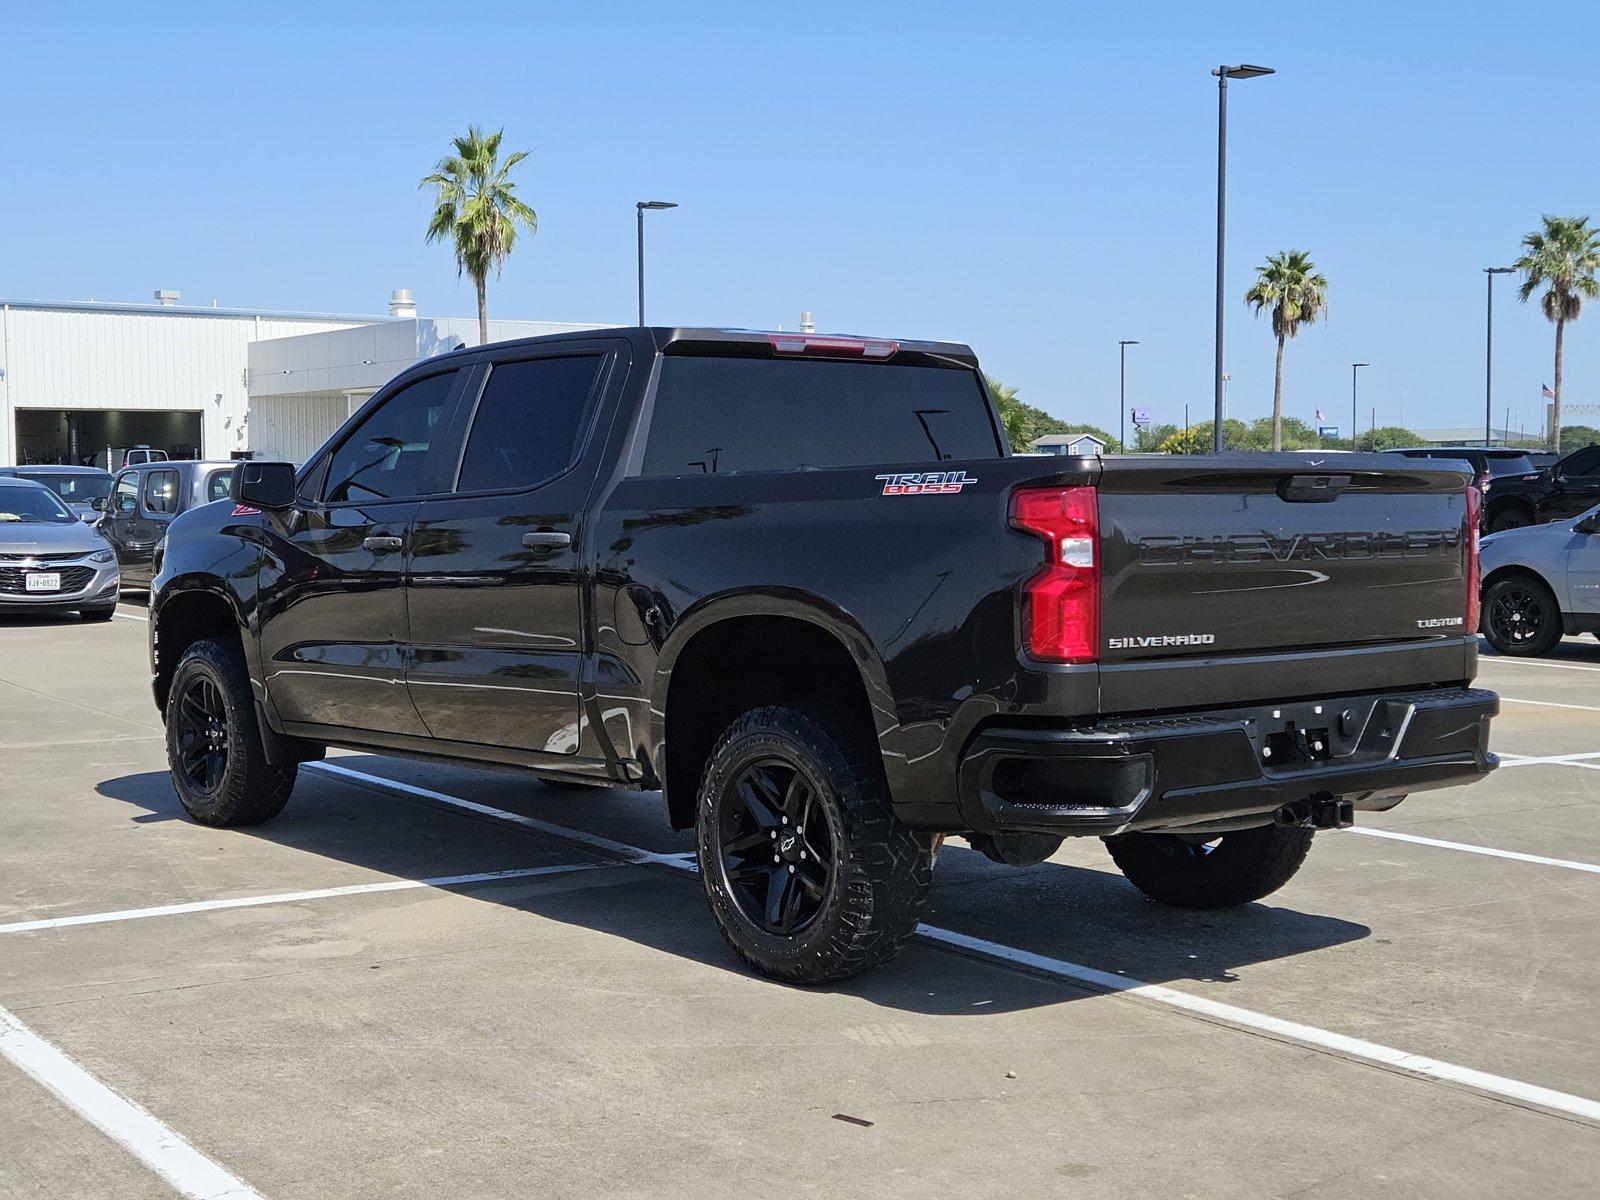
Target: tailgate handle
x,y
1313,489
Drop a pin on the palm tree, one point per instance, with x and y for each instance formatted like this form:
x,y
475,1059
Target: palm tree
x,y
478,210
1287,283
1012,415
1562,258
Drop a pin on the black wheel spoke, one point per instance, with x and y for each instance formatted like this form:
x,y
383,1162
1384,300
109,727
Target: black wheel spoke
x,y
775,846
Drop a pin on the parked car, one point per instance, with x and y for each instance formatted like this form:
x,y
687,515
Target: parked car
x,y
1554,493
78,487
1541,582
144,501
799,583
50,561
1488,462
115,458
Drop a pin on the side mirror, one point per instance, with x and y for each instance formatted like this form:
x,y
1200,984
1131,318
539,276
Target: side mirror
x,y
98,503
268,485
1589,524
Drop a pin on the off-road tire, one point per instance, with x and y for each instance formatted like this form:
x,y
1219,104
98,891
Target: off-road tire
x,y
877,882
1233,869
250,790
1541,610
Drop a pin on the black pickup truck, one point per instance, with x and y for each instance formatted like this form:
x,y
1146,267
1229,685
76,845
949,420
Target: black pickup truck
x,y
799,584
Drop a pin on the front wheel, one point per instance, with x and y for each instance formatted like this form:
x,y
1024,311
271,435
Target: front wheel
x,y
219,768
1510,518
810,875
1224,871
1521,617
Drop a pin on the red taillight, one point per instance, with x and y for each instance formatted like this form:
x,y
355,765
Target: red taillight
x,y
1061,604
1470,544
832,347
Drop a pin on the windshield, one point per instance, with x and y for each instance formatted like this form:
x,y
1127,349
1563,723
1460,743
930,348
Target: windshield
x,y
33,506
75,489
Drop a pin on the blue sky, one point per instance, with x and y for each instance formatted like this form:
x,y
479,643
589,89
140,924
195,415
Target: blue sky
x,y
1034,179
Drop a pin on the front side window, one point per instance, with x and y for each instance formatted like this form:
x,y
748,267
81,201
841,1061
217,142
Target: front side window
x,y
1584,463
161,491
529,422
386,457
127,497
722,415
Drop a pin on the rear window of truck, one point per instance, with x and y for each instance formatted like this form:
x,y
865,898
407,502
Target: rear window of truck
x,y
724,415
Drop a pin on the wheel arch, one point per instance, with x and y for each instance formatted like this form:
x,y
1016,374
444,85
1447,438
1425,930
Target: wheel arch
x,y
732,653
186,613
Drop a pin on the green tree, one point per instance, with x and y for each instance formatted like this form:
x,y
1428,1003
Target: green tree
x,y
1577,437
1561,258
1287,285
1024,423
1194,440
477,210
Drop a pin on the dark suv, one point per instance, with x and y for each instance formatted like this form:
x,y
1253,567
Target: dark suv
x,y
1567,488
1488,462
143,502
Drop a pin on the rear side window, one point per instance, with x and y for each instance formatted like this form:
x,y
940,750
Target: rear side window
x,y
386,456
529,422
722,415
161,491
217,485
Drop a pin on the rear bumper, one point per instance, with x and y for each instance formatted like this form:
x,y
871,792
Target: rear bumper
x,y
1230,768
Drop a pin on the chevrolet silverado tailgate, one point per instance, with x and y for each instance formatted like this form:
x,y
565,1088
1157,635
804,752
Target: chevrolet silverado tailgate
x,y
1256,554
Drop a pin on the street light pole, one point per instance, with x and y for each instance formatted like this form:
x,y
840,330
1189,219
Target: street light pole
x,y
1122,397
1354,367
1223,74
1488,351
639,209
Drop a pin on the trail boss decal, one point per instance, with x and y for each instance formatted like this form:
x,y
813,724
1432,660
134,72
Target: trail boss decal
x,y
927,483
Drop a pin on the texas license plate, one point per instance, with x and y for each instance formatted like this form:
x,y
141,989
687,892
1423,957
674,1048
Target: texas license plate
x,y
44,581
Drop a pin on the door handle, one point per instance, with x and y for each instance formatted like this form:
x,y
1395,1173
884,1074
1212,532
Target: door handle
x,y
382,545
546,539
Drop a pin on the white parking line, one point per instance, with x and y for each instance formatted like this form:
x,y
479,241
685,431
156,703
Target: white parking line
x,y
1309,1035
1550,760
128,616
1242,1018
357,889
1533,662
1541,860
1550,704
131,1126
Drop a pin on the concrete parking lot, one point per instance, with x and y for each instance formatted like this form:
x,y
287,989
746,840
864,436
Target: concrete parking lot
x,y
431,981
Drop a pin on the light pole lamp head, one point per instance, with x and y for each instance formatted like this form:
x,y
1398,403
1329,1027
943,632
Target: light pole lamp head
x,y
654,205
1243,71
1360,365
1499,270
1128,342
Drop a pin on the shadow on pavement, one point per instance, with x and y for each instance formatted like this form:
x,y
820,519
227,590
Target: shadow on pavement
x,y
1091,917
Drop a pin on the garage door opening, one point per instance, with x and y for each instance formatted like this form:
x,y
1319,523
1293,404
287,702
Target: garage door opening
x,y
77,436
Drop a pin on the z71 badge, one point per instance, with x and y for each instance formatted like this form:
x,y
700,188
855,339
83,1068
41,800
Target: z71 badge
x,y
927,483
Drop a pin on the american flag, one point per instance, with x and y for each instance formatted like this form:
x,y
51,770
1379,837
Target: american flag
x,y
1544,390
1321,416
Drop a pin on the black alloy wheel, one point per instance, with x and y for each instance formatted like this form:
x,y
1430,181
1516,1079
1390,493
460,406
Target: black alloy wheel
x,y
1520,617
202,735
776,848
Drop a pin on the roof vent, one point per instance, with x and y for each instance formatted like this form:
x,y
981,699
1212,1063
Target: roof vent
x,y
166,299
401,304
807,325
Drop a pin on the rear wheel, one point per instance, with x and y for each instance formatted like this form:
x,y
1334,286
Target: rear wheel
x,y
1510,518
1227,870
219,768
810,875
1521,617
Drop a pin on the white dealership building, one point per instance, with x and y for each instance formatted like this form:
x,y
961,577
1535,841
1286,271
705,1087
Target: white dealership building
x,y
77,377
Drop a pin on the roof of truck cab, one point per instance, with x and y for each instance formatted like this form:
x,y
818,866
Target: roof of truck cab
x,y
662,337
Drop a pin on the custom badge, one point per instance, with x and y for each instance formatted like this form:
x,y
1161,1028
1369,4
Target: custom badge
x,y
926,483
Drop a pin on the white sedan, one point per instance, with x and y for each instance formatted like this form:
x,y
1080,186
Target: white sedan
x,y
1541,582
